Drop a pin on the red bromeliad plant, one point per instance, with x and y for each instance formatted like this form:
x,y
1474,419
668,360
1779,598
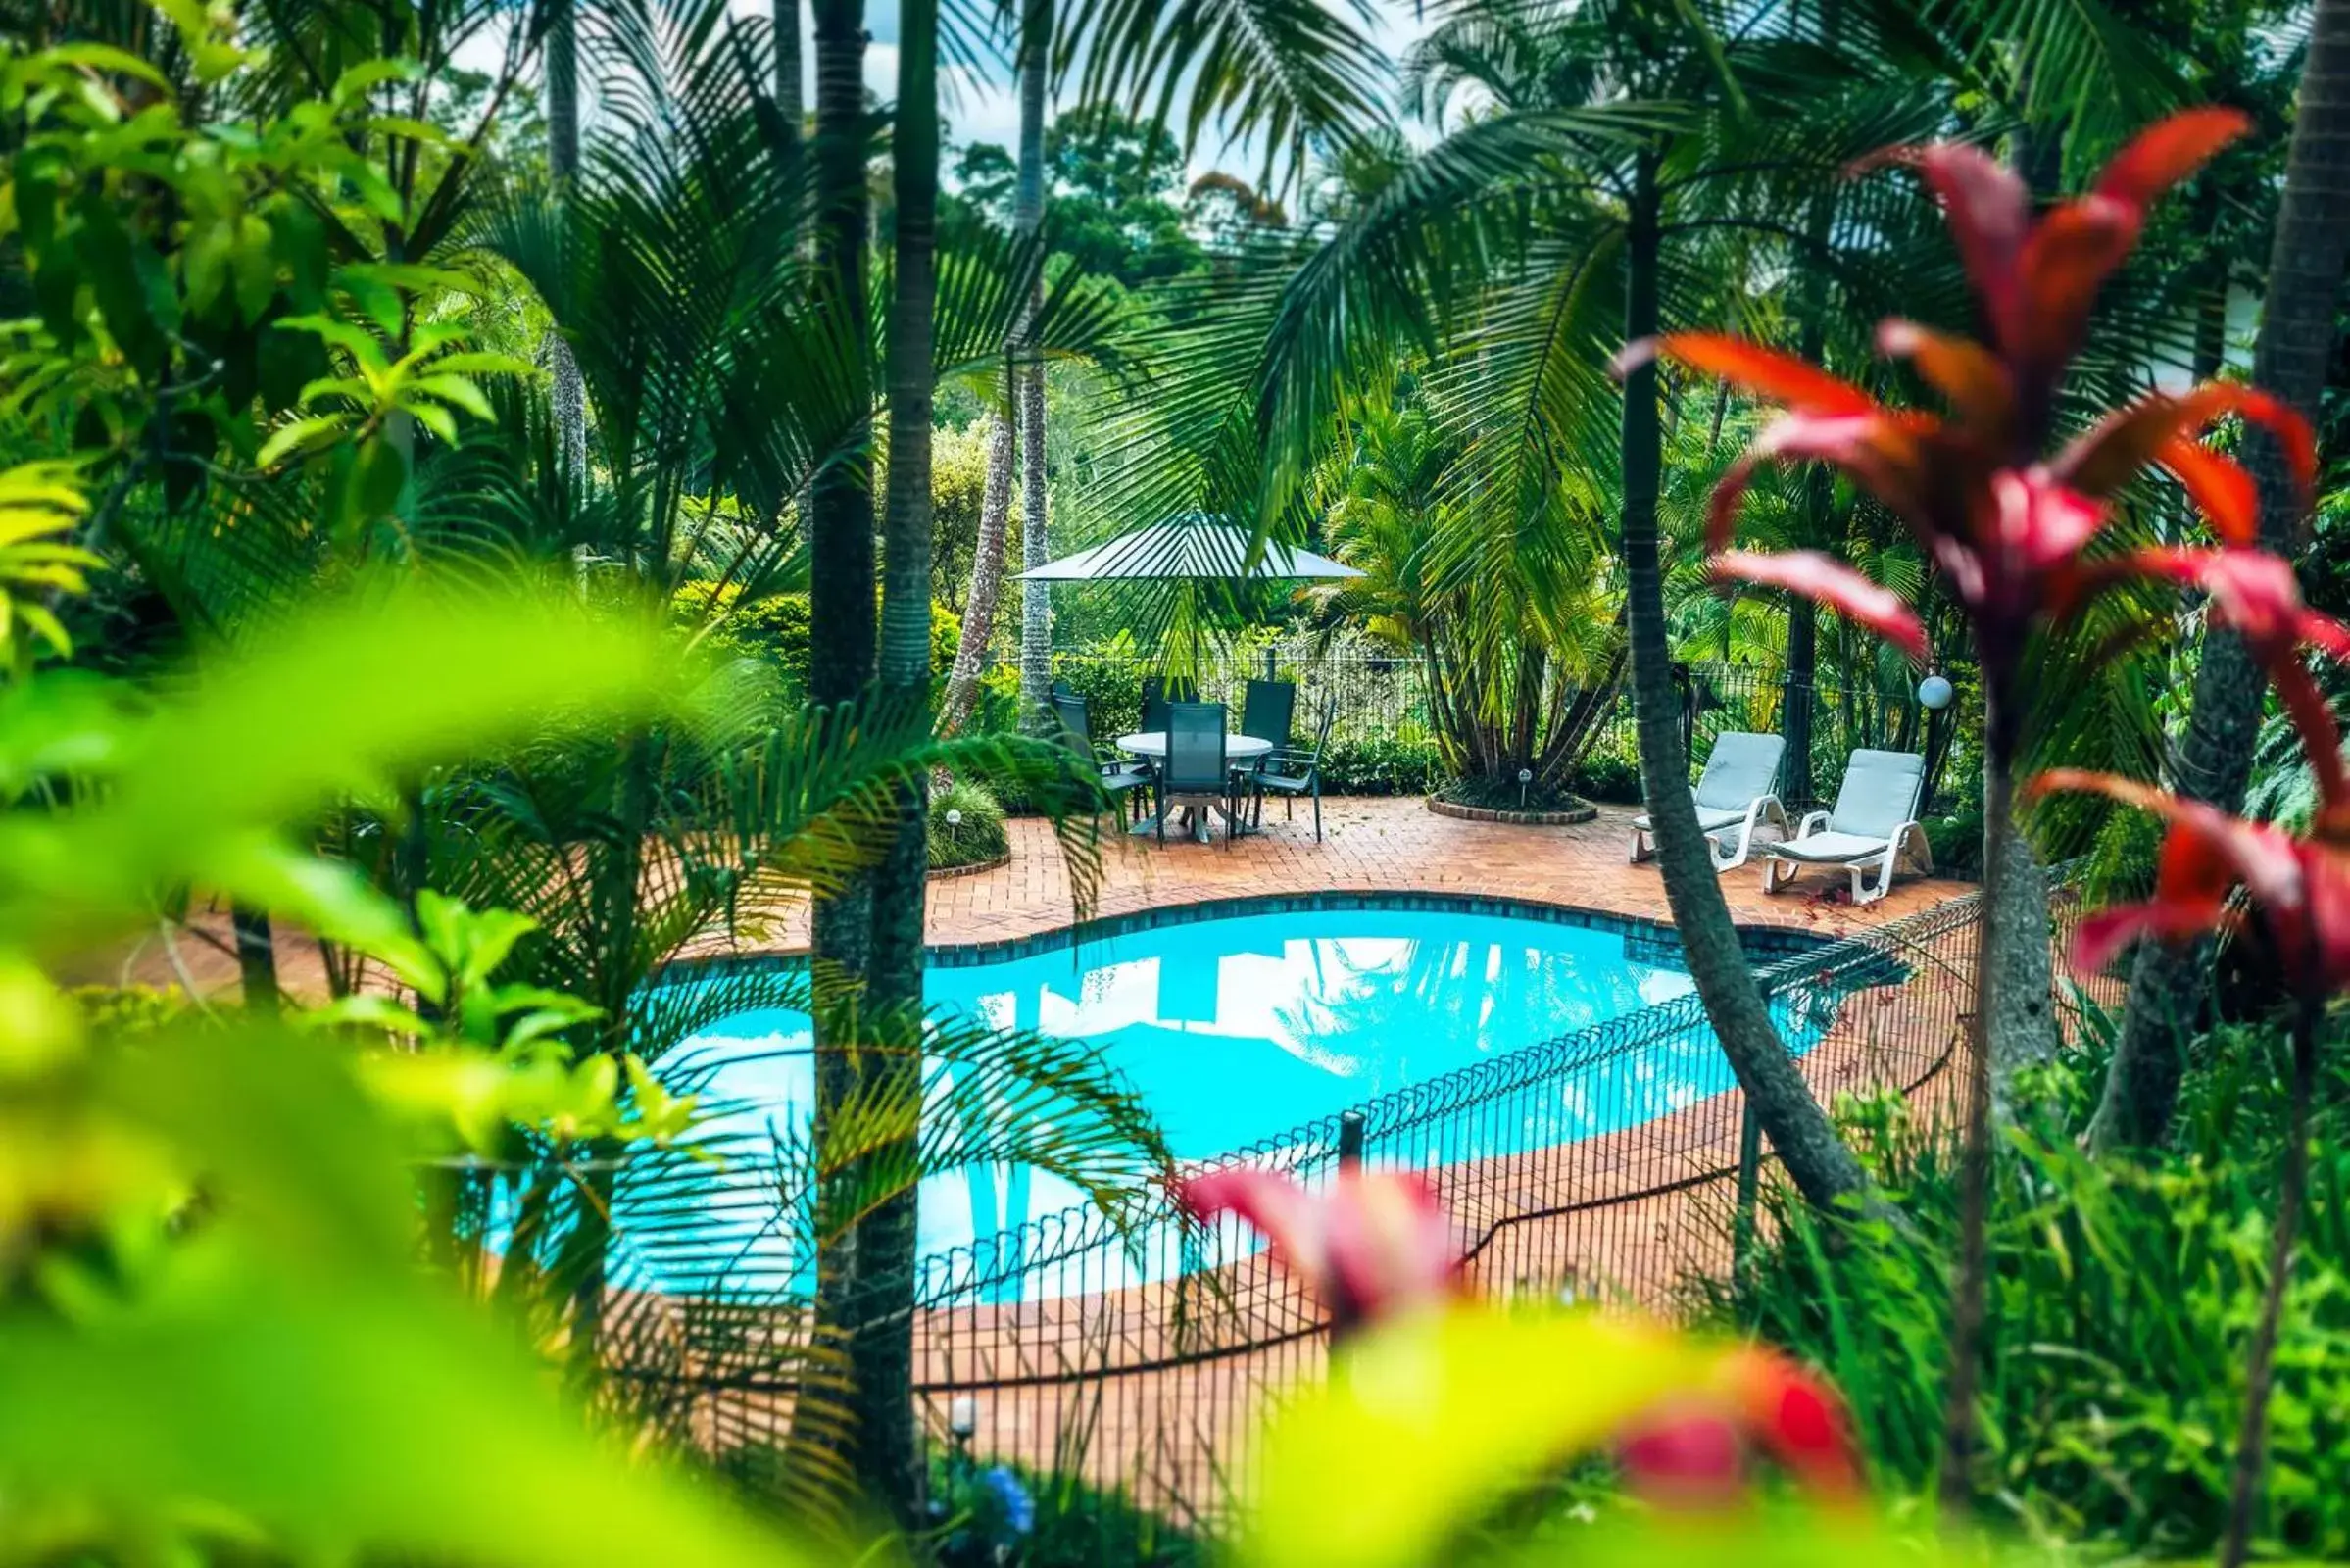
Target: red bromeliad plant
x,y
1373,1246
2012,522
1378,1247
2299,888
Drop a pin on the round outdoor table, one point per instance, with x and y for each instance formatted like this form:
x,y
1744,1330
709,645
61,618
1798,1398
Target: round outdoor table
x,y
1153,743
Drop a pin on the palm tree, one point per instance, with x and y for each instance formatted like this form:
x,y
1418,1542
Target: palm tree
x,y
1520,635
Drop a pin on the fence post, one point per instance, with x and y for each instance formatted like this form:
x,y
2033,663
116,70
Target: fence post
x,y
1802,707
1344,1322
1351,1139
1742,1221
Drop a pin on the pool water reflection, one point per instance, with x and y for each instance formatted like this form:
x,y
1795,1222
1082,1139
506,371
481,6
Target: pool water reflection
x,y
1239,1028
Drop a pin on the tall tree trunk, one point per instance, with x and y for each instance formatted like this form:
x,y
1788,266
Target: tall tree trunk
x,y
255,958
1808,1146
881,1354
789,97
1969,1284
1819,495
840,634
2014,977
987,580
1028,371
568,395
2305,258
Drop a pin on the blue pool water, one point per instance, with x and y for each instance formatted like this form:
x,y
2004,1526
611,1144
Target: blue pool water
x,y
1238,1028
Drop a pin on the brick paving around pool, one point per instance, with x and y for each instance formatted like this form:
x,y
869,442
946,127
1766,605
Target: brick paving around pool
x,y
1368,845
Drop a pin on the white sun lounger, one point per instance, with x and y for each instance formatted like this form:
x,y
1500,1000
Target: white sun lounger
x,y
1874,824
1735,795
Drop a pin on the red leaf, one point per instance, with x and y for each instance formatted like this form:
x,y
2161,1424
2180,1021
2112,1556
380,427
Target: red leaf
x,y
2071,253
1767,373
1686,1456
2169,151
2125,441
1798,1420
2040,522
2100,938
2221,850
1373,1243
1989,213
1879,450
1966,372
2219,487
2313,721
1833,583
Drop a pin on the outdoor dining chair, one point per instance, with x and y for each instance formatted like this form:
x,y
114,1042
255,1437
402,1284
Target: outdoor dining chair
x,y
1266,709
1157,693
1195,772
1119,775
1874,824
1735,794
1289,771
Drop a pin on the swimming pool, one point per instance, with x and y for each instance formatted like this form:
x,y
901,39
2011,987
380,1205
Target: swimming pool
x,y
1239,1023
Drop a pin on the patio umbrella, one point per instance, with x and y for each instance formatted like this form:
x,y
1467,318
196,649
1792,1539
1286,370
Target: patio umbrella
x,y
1190,548
1193,548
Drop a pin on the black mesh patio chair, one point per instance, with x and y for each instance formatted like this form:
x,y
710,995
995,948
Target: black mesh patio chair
x,y
1120,775
1157,693
1289,771
1195,772
1266,709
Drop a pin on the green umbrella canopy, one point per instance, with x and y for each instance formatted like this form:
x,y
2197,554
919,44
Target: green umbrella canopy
x,y
1192,547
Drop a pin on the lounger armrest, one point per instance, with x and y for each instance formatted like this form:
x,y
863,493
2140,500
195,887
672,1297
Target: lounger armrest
x,y
1911,836
1813,822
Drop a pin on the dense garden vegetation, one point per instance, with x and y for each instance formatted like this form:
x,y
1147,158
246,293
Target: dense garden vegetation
x,y
499,502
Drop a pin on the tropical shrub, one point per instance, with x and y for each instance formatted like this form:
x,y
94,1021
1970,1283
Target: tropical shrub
x,y
772,628
2121,1303
1607,773
1383,764
967,825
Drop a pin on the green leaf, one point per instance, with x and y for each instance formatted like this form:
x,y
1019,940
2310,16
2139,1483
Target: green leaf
x,y
455,389
299,435
105,58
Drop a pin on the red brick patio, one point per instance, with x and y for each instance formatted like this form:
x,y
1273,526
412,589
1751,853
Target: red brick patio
x,y
1392,845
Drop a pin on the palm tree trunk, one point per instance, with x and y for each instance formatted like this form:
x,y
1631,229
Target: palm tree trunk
x,y
255,959
1969,1284
987,580
2305,258
568,395
841,635
881,1349
1028,369
788,99
1807,1144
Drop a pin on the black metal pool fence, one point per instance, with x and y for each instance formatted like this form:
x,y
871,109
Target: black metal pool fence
x,y
1134,1362
1381,698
